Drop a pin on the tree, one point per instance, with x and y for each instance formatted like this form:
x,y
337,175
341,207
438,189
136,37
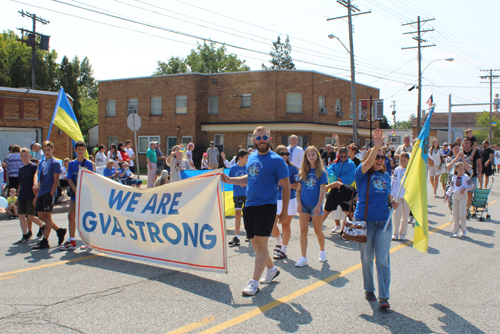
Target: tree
x,y
204,59
483,120
281,58
404,124
86,79
68,78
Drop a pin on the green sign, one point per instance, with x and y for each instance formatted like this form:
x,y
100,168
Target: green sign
x,y
345,123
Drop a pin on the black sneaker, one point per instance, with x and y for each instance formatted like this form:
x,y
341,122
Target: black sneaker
x,y
23,240
29,235
369,295
40,232
43,244
61,232
384,303
234,242
247,239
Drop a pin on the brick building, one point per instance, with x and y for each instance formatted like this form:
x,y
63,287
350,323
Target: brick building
x,y
25,116
226,107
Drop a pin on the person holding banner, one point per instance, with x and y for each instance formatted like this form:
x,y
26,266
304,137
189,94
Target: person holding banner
x,y
378,244
261,205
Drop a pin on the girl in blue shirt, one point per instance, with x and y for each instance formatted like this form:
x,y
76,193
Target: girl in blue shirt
x,y
280,251
310,195
239,194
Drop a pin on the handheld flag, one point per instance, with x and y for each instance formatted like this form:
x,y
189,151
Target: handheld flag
x,y
64,118
415,185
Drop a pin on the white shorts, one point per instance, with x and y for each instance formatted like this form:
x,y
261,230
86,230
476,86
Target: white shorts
x,y
338,214
434,171
292,207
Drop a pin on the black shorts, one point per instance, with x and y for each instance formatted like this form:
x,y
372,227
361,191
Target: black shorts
x,y
25,207
44,203
488,171
239,201
341,196
259,220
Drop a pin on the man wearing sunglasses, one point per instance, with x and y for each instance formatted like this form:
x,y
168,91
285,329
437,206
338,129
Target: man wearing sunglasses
x,y
265,171
296,152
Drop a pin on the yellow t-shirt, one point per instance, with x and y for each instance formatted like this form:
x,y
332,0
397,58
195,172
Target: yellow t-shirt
x,y
11,200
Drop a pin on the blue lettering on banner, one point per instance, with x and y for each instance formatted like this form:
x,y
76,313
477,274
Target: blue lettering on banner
x,y
154,232
177,231
132,202
141,225
165,199
151,204
119,199
172,210
212,238
104,227
131,228
189,232
92,223
117,228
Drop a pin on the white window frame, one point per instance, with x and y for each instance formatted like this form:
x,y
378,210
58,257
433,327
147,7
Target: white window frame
x,y
169,149
396,141
291,106
110,108
322,101
338,105
330,140
247,98
149,140
112,142
179,100
221,135
156,108
249,140
133,104
185,142
213,110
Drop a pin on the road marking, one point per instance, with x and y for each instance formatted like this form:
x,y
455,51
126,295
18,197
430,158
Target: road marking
x,y
2,278
298,293
49,265
193,326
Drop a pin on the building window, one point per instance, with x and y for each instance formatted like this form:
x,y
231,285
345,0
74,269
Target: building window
x,y
338,105
186,140
110,108
144,142
181,104
330,141
112,140
156,106
322,101
133,106
294,103
249,140
213,105
171,142
246,101
219,142
395,139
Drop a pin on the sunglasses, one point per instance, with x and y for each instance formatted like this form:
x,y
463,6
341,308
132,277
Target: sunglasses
x,y
258,138
284,153
379,157
343,156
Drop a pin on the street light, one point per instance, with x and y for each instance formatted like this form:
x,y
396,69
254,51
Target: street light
x,y
353,87
447,59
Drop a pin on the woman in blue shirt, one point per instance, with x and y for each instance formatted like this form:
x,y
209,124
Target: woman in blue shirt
x,y
371,172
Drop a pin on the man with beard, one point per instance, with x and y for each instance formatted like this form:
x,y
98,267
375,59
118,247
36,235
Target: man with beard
x,y
472,155
265,171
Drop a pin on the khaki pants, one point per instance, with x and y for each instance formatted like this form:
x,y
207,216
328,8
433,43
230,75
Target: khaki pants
x,y
151,175
401,218
459,212
213,166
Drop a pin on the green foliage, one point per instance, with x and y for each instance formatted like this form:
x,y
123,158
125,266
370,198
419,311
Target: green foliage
x,y
483,120
404,124
89,111
204,59
280,56
384,123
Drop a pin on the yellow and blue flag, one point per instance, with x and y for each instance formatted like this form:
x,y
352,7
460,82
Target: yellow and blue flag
x,y
64,118
415,185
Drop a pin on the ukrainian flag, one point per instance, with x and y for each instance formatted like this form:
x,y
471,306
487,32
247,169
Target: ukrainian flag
x,y
228,189
415,184
64,118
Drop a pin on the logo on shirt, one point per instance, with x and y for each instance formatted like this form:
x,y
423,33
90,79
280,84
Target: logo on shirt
x,y
253,171
310,182
379,183
46,167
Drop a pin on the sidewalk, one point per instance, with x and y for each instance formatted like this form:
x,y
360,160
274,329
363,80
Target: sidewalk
x,y
58,208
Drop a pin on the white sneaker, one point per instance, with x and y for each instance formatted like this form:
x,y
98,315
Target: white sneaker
x,y
454,235
251,289
269,276
322,256
395,237
402,237
463,234
302,262
336,229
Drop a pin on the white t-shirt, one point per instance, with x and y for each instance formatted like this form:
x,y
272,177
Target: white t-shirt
x,y
436,156
100,160
403,148
130,153
64,173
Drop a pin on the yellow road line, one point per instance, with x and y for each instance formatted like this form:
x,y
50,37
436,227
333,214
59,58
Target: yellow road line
x,y
2,278
193,326
49,265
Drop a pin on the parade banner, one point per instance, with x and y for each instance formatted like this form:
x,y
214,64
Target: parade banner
x,y
179,224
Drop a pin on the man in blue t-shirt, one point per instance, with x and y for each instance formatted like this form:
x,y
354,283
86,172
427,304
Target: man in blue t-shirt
x,y
73,168
265,171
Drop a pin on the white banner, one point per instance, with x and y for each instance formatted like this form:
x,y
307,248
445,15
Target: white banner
x,y
179,224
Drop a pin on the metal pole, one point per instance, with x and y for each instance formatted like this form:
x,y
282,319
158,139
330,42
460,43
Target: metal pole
x,y
33,56
371,111
136,151
353,80
449,120
419,107
491,101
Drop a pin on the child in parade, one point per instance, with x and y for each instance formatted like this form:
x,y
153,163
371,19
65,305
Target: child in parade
x,y
204,161
310,195
443,178
281,249
239,194
460,184
11,201
403,211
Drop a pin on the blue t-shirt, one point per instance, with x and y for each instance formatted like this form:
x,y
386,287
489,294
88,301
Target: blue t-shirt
x,y
47,169
343,170
109,172
380,188
292,174
74,167
264,173
309,194
236,171
125,176
388,168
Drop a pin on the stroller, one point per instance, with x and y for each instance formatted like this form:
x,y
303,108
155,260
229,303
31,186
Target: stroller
x,y
480,202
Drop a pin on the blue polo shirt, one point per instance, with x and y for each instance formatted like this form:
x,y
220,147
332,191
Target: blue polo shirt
x,y
292,174
74,167
236,171
309,193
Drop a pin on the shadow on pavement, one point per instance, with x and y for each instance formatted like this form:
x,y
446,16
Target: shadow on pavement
x,y
341,243
395,322
290,316
474,230
433,251
307,272
453,323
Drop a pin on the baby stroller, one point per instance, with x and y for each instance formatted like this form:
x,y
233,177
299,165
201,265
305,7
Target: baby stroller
x,y
480,202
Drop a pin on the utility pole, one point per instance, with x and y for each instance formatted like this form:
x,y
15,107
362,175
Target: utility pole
x,y
419,46
354,106
32,42
393,106
491,77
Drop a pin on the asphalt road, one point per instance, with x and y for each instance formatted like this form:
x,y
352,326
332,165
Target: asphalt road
x,y
455,288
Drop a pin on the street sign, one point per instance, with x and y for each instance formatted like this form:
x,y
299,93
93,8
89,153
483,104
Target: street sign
x,y
134,122
345,123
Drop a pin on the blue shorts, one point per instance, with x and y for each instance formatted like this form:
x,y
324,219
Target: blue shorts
x,y
310,210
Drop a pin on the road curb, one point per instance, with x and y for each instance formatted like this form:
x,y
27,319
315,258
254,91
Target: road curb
x,y
59,208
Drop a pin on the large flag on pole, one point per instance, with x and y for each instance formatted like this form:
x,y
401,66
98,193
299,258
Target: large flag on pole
x,y
416,186
64,118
